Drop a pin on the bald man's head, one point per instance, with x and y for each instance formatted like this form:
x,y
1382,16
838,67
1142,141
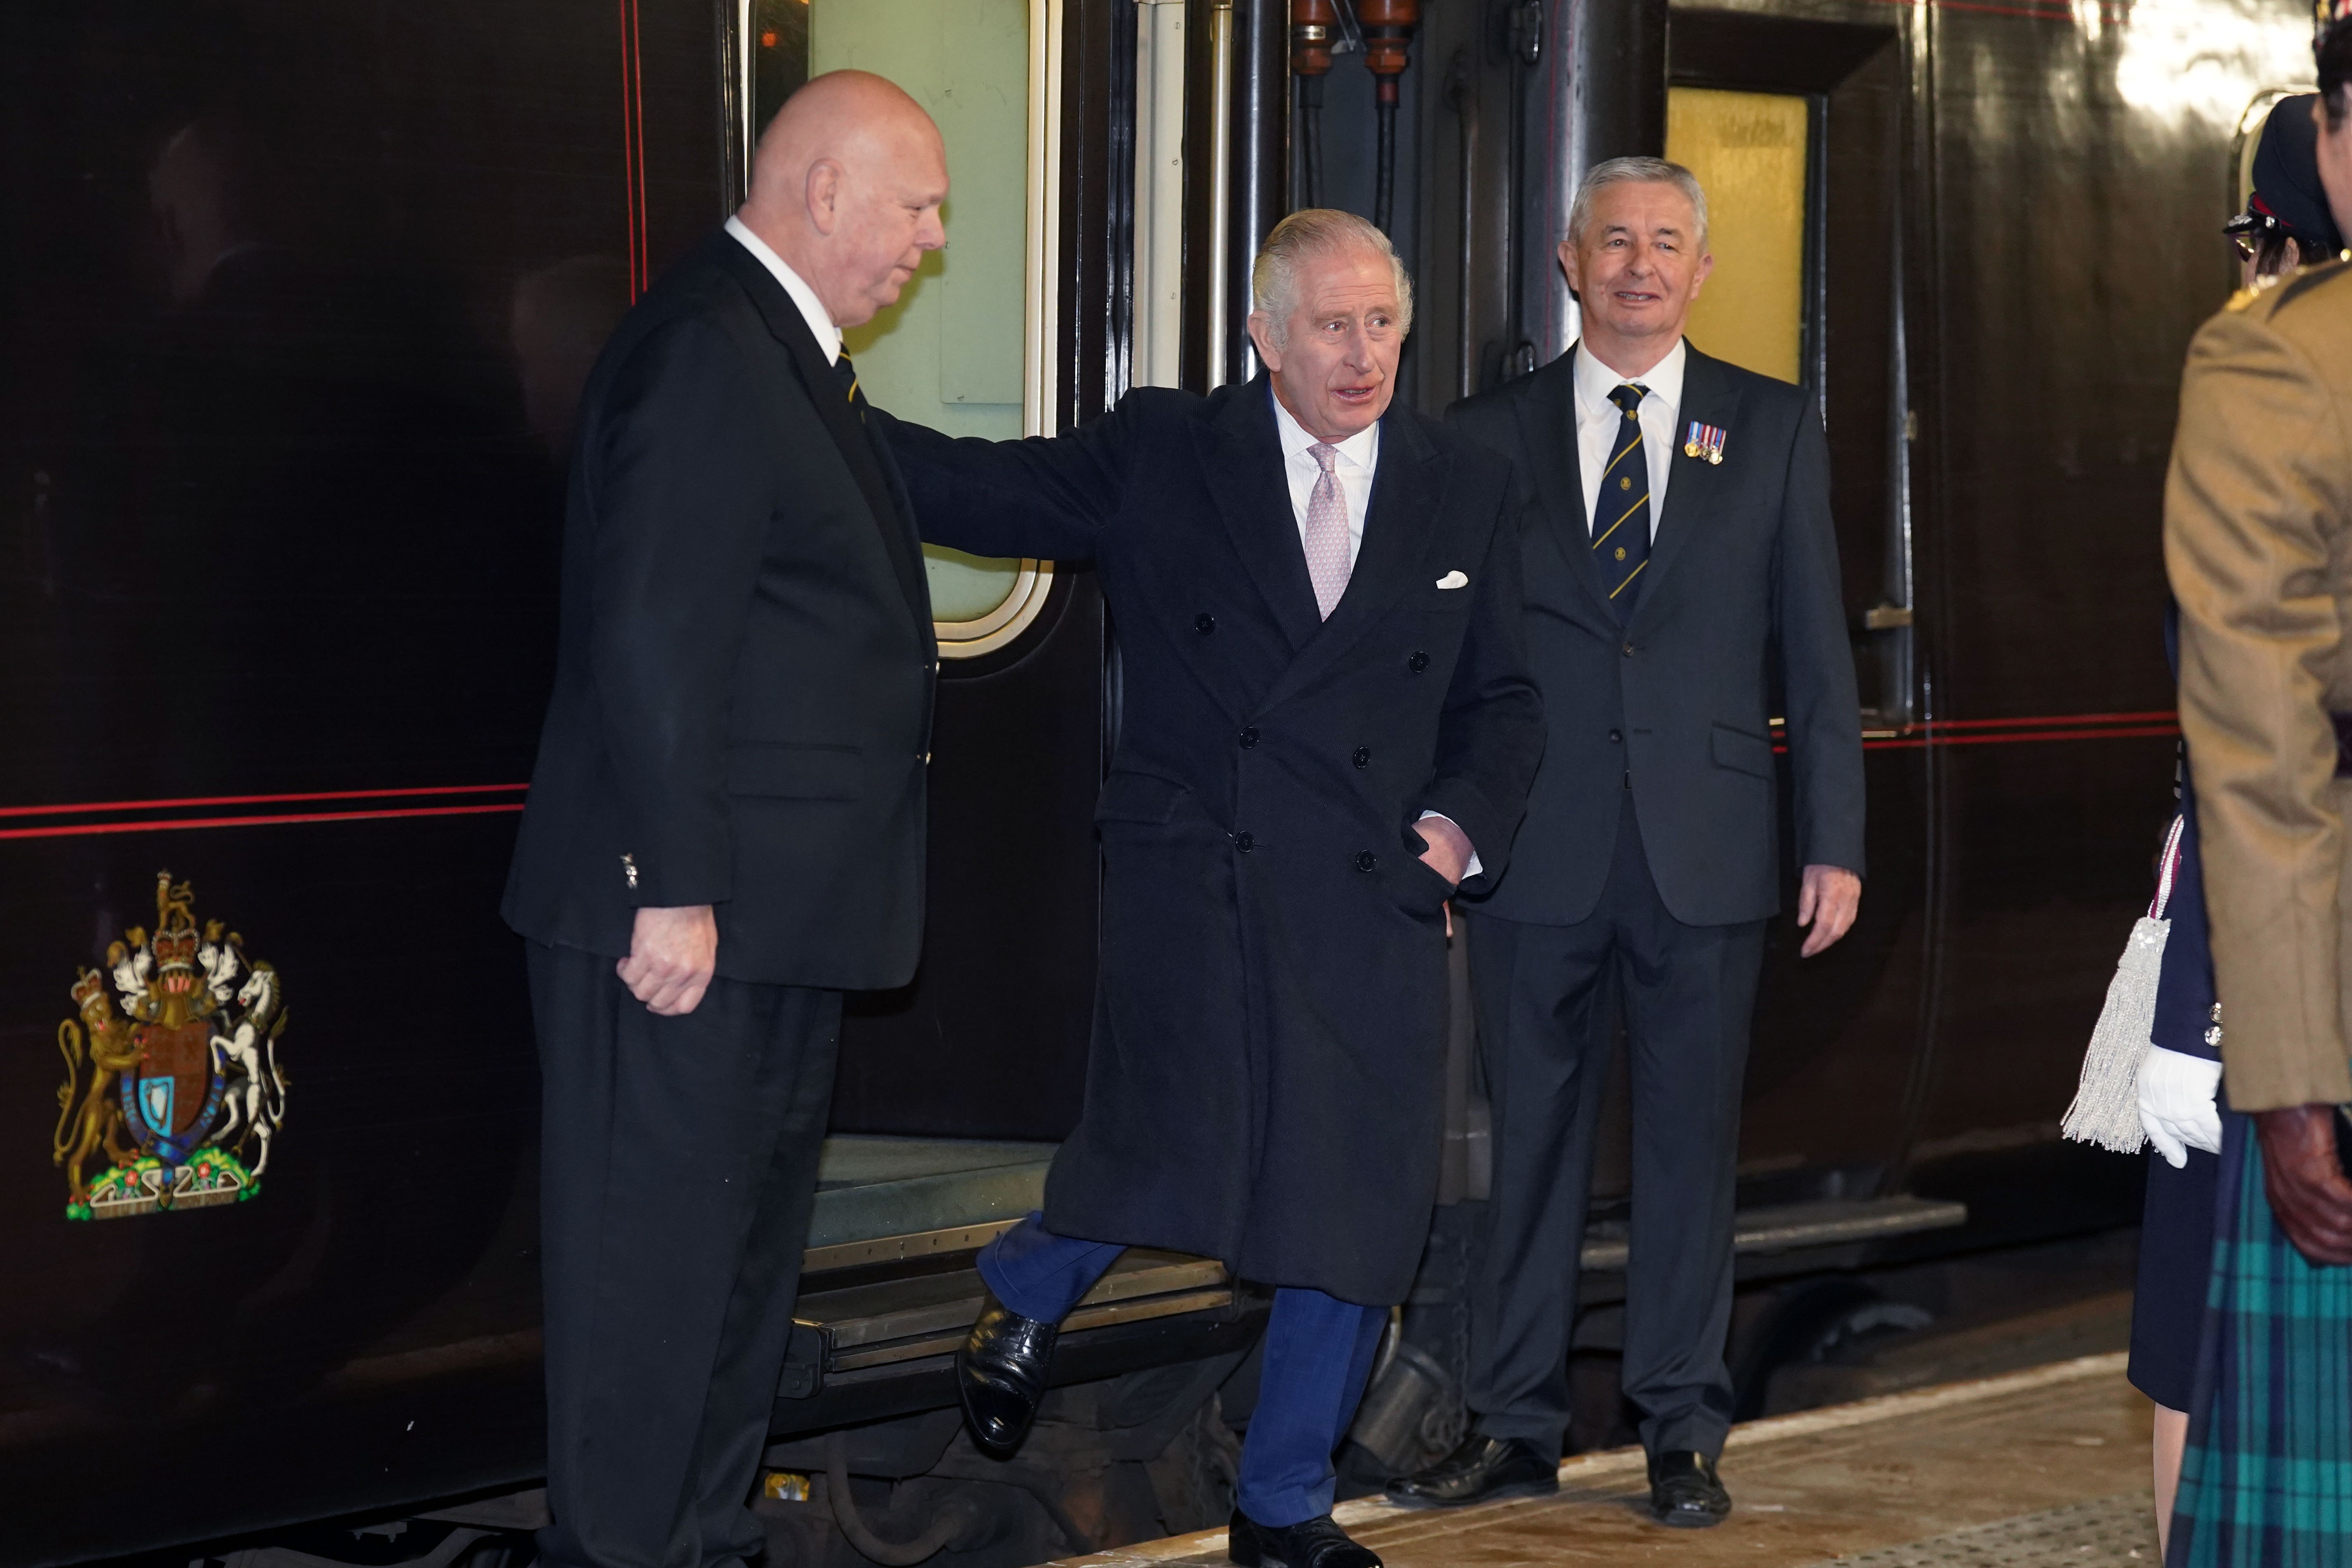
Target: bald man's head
x,y
846,186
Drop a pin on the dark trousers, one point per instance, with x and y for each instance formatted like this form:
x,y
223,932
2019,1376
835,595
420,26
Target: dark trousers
x,y
1318,1352
677,1167
1547,1000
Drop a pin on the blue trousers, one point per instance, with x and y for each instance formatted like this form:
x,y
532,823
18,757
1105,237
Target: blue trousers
x,y
1318,1352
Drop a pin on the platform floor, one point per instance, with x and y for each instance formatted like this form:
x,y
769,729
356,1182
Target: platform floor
x,y
2029,1468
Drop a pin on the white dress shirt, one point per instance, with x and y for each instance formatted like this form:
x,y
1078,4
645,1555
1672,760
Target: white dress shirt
x,y
813,311
1597,420
1359,461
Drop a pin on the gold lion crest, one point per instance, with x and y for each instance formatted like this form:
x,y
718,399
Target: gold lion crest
x,y
171,1075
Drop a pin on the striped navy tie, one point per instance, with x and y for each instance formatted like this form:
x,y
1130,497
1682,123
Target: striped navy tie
x,y
1621,519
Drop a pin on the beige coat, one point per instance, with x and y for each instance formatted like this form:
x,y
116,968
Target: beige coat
x,y
2258,543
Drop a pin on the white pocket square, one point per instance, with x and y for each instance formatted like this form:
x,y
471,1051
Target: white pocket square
x,y
1453,580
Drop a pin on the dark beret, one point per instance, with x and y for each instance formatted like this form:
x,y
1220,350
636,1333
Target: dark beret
x,y
2287,174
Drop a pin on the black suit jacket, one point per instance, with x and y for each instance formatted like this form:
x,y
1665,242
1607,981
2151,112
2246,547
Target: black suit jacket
x,y
742,699
1677,704
1265,1077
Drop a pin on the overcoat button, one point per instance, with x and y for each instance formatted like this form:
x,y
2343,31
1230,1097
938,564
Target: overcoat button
x,y
1366,860
1363,757
1614,737
1244,842
1204,623
1419,661
1627,651
1249,737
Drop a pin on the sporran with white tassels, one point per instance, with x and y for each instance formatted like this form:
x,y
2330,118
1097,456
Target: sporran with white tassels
x,y
2106,1101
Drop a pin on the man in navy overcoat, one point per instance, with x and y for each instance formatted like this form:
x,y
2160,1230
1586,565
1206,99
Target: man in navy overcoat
x,y
1328,726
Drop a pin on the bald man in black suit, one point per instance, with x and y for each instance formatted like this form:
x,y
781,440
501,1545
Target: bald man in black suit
x,y
726,822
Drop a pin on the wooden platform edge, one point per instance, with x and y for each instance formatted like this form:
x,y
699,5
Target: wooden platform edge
x,y
1584,1470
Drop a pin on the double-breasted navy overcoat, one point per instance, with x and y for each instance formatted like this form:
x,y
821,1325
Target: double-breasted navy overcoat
x,y
1263,1084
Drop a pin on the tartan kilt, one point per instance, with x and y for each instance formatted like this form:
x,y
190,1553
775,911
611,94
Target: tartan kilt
x,y
2266,1477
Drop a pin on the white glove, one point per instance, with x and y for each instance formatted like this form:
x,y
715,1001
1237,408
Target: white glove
x,y
2176,1104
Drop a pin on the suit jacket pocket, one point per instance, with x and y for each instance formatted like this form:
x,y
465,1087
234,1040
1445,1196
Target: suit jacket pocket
x,y
1138,797
1741,751
795,773
1412,884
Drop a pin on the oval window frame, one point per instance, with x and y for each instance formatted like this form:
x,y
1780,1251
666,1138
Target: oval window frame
x,y
1040,391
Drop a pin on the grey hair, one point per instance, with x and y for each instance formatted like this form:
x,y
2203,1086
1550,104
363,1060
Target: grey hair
x,y
1634,171
1312,232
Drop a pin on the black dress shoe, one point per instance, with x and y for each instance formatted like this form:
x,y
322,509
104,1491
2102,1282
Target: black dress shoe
x,y
1000,1375
1684,1491
1317,1543
1480,1470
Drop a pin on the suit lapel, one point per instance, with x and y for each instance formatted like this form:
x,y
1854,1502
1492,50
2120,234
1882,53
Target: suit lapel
x,y
1546,419
1242,459
866,463
1408,489
1709,398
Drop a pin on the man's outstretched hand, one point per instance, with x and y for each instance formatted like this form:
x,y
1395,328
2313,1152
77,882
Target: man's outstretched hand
x,y
2308,1193
671,955
1827,902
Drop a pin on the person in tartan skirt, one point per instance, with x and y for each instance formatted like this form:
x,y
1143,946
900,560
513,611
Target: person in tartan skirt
x,y
2258,545
2286,225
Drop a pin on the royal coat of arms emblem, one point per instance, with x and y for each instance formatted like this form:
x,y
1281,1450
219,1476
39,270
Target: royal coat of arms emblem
x,y
171,1077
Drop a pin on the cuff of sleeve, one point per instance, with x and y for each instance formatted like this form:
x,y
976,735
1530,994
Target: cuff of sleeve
x,y
1842,850
661,878
1460,802
2258,1083
1475,865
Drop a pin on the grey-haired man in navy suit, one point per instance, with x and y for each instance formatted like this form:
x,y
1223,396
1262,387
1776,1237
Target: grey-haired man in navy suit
x,y
1677,557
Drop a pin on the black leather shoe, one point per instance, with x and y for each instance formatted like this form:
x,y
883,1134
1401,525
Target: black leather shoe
x,y
1479,1470
1317,1543
1000,1375
1684,1491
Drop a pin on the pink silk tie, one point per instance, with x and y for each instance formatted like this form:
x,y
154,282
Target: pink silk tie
x,y
1327,533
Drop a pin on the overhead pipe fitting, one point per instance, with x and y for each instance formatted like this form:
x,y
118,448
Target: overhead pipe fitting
x,y
1315,36
1388,26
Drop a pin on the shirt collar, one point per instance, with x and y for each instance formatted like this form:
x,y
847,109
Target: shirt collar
x,y
813,311
1595,380
1362,449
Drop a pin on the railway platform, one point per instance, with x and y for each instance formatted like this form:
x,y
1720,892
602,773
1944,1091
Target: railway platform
x,y
2027,1469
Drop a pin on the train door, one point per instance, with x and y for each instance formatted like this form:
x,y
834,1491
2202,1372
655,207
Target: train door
x,y
1007,974
1796,129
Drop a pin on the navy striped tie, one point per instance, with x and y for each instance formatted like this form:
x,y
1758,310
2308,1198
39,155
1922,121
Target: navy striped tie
x,y
1621,519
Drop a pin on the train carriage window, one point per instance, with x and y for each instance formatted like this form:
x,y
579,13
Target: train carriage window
x,y
950,353
1751,152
